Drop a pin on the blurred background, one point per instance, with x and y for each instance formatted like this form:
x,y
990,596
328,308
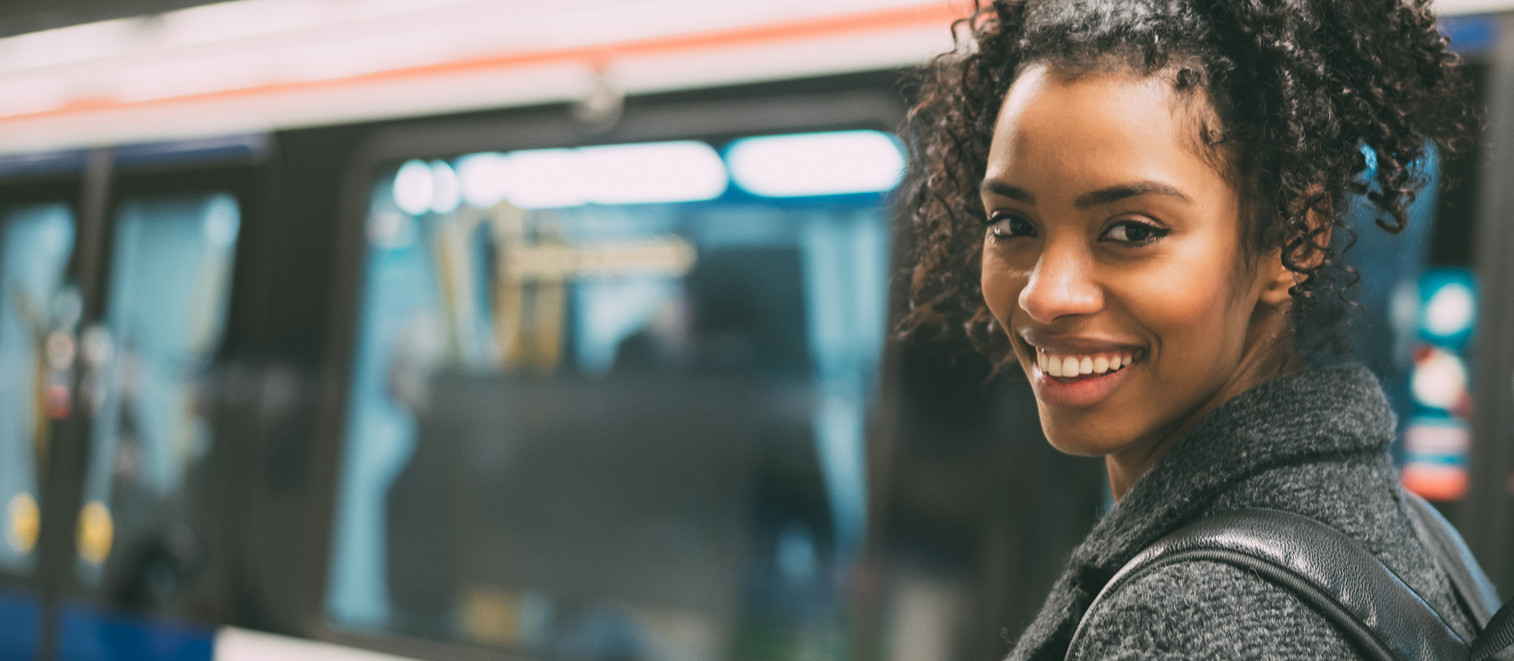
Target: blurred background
x,y
496,330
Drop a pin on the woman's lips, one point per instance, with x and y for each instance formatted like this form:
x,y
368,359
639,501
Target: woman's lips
x,y
1079,380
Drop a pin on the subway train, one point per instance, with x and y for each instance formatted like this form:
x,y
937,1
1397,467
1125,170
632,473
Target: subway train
x,y
485,330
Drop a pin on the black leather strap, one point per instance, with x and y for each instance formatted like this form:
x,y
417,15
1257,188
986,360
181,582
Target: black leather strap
x,y
1328,571
1472,586
1496,640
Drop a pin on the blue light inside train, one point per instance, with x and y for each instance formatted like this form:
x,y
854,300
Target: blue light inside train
x,y
1437,439
1447,314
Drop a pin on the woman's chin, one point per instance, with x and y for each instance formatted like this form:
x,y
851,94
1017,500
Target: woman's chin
x,y
1075,440
1081,449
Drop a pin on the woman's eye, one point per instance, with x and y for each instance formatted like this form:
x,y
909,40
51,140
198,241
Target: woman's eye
x,y
1132,232
1008,227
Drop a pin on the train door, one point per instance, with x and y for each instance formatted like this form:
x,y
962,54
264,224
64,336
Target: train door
x,y
39,309
116,286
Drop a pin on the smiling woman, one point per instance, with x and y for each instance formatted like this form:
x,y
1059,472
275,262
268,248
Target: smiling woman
x,y
1134,202
1107,246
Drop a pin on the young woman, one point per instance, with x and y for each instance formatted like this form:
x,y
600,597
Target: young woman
x,y
1137,202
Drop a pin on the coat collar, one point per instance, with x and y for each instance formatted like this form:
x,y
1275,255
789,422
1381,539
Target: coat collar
x,y
1312,415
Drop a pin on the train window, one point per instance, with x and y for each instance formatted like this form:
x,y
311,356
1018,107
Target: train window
x,y
167,299
35,244
611,402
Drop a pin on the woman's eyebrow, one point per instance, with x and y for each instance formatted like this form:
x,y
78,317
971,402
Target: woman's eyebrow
x,y
1122,191
1012,192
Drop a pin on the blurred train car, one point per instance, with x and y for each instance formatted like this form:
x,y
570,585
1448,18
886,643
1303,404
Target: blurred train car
x,y
374,329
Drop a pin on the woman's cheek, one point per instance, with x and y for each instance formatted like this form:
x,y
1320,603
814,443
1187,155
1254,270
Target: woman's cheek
x,y
1001,289
1188,309
1182,286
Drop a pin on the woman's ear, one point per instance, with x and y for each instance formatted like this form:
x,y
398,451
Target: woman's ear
x,y
1277,280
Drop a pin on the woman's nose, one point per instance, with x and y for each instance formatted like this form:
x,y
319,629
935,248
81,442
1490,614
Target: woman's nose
x,y
1061,284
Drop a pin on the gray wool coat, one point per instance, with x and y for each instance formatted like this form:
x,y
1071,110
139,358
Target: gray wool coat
x,y
1314,443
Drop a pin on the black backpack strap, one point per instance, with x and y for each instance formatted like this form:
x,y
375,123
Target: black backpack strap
x,y
1472,587
1497,639
1327,570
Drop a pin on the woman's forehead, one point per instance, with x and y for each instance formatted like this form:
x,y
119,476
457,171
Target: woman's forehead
x,y
1102,125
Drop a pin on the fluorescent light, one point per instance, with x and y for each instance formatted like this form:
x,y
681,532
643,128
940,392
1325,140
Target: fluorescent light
x,y
678,171
482,178
682,171
420,187
543,178
414,187
1450,310
1439,380
446,191
810,164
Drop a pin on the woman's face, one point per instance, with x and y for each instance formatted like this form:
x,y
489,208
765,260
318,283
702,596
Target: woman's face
x,y
1113,259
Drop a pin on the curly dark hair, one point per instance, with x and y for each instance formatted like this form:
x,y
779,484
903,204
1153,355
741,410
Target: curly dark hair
x,y
1303,93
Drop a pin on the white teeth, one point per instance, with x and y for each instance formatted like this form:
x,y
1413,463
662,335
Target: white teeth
x,y
1073,366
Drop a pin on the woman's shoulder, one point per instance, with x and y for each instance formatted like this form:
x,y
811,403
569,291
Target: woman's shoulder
x,y
1210,610
1202,609
1363,499
1207,610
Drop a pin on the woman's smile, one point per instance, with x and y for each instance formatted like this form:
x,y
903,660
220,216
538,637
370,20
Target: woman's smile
x,y
1088,386
1070,371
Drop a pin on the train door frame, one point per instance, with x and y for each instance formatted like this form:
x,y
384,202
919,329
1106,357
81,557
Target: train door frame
x,y
66,178
1491,463
102,181
871,100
